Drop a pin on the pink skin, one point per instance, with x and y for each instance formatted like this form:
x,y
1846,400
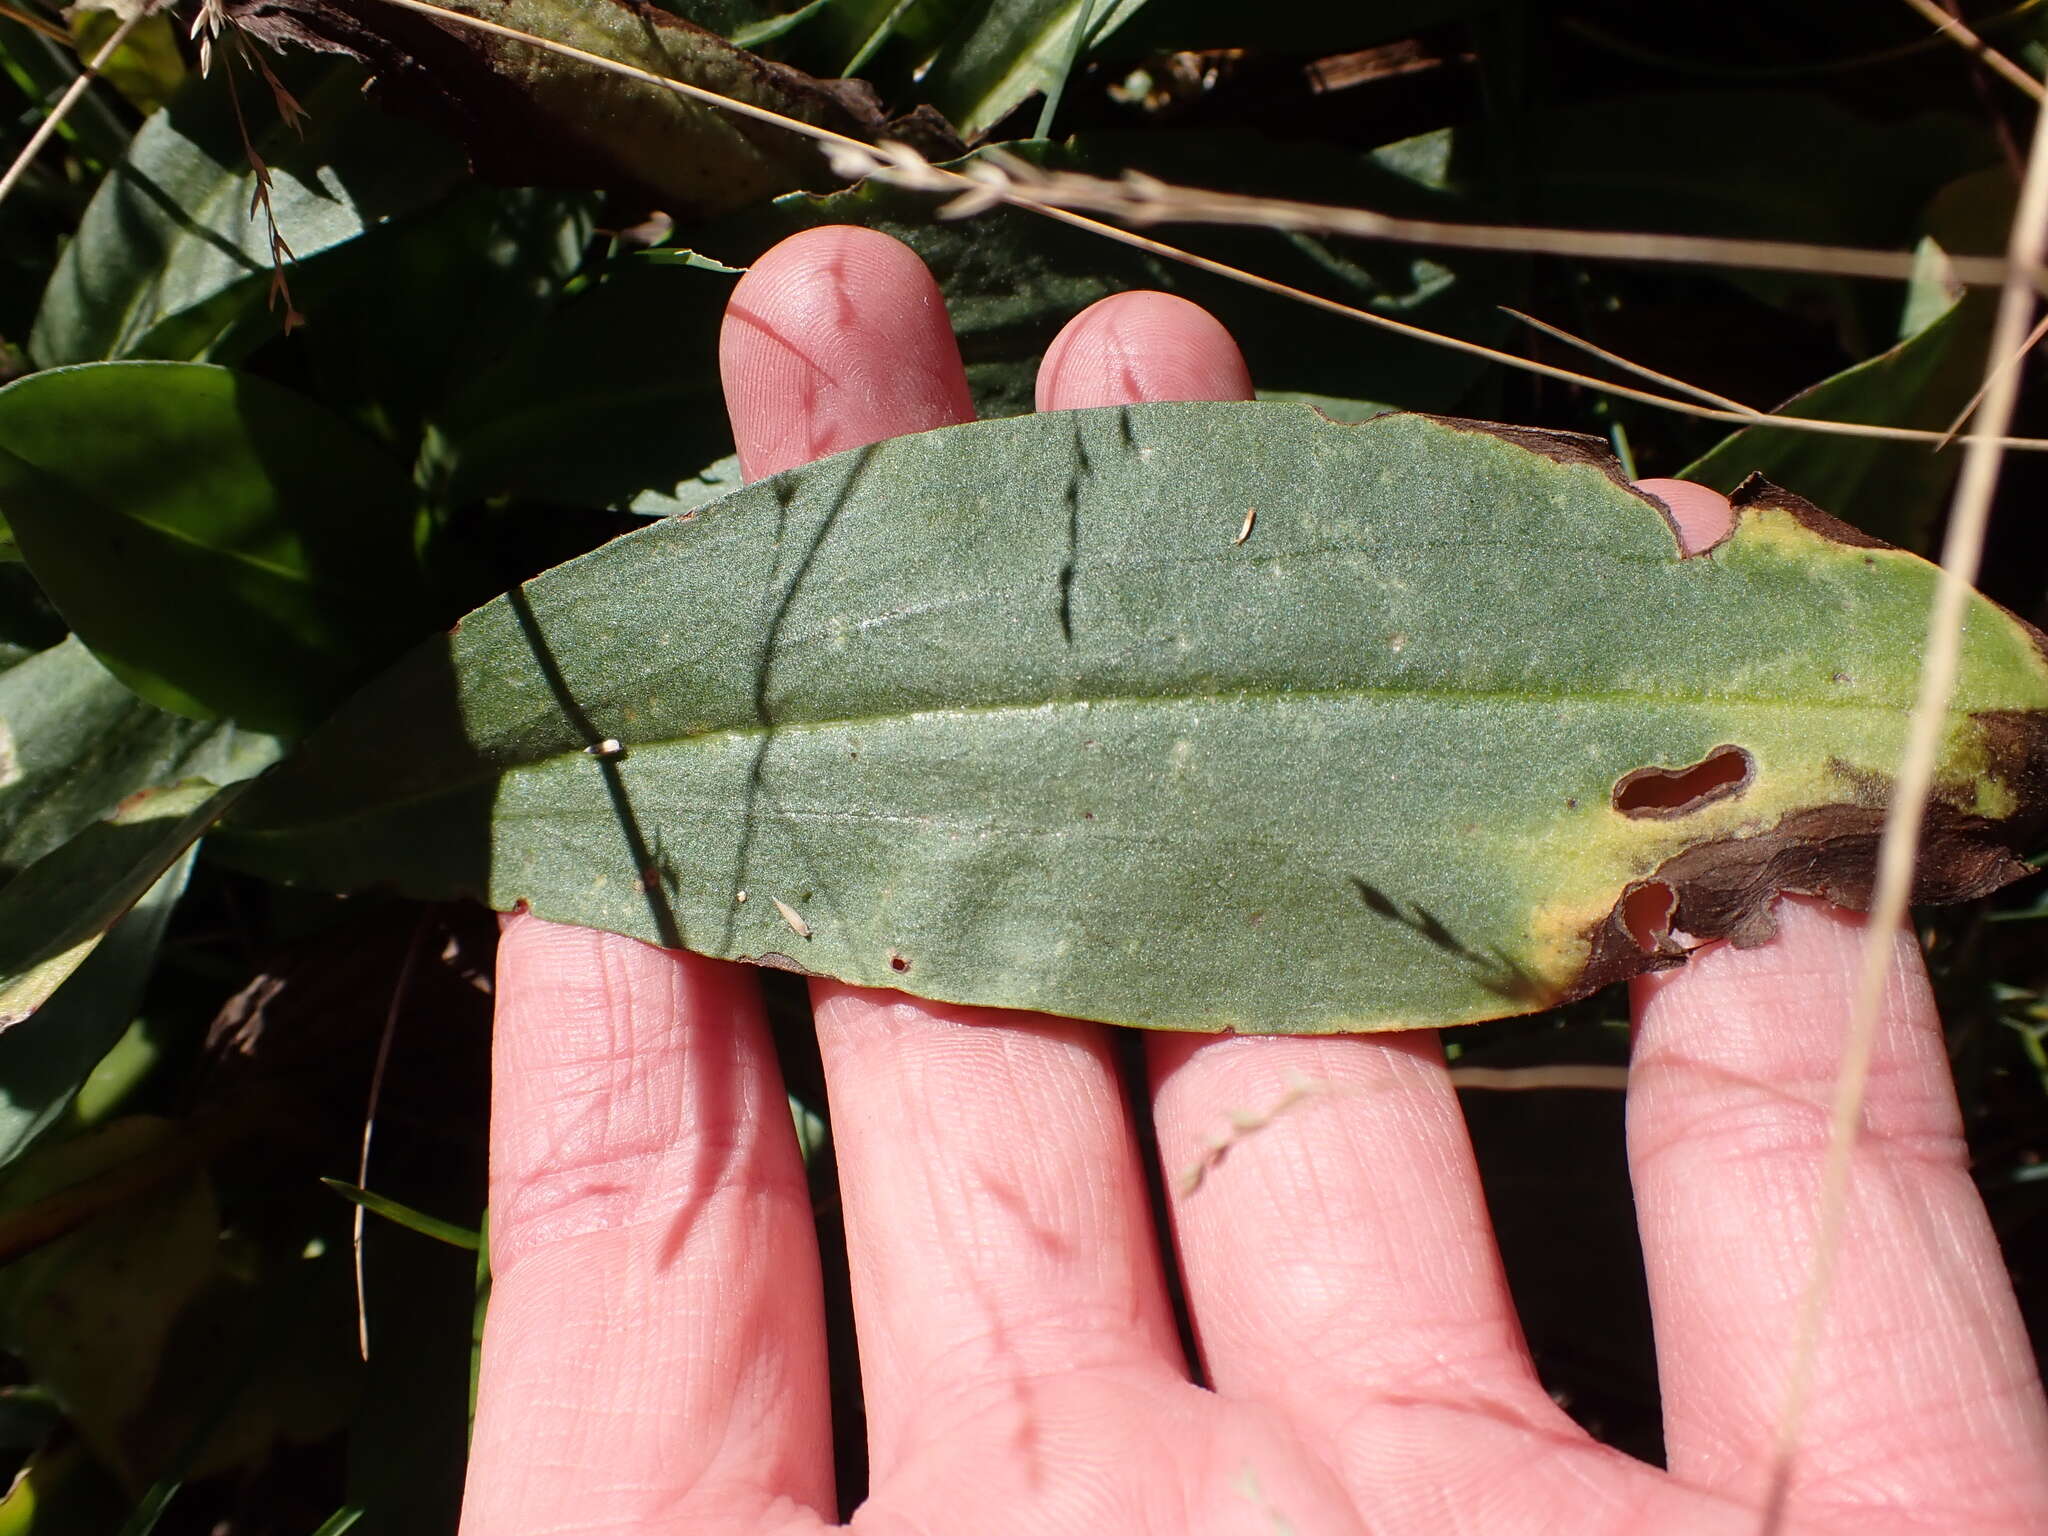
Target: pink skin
x,y
655,1359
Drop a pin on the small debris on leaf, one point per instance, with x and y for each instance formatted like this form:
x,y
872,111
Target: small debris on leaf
x,y
790,916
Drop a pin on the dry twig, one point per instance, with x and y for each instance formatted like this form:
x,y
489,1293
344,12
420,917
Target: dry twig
x,y
1958,32
69,99
1899,847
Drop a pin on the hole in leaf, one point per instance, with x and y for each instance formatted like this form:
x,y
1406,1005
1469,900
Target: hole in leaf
x,y
1646,912
1723,772
898,962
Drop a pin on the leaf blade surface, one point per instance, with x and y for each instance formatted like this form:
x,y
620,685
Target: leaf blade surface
x,y
1002,714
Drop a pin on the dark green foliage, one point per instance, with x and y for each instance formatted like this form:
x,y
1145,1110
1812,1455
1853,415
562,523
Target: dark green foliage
x,y
226,547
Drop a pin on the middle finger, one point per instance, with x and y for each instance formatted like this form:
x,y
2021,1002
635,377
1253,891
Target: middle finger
x,y
998,1221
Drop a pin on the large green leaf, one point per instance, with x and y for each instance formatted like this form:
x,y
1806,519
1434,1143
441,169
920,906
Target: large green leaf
x,y
170,253
225,547
1020,713
74,743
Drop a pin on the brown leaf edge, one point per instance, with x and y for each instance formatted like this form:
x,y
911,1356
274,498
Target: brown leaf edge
x,y
1573,448
1724,889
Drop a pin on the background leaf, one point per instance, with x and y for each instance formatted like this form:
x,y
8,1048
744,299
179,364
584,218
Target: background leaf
x,y
45,1060
77,743
169,257
601,405
43,68
147,68
224,546
57,910
148,1325
450,290
1644,162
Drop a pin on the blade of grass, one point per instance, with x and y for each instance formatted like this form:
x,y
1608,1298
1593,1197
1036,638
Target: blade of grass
x,y
1075,42
151,1506
1898,848
759,32
1617,438
440,1231
876,39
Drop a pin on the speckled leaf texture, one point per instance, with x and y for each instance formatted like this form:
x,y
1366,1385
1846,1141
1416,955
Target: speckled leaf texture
x,y
1018,713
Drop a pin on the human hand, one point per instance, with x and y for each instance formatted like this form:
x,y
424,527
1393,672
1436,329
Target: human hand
x,y
655,1360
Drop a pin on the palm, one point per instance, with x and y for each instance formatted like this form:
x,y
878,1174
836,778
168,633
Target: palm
x,y
1126,1450
655,1352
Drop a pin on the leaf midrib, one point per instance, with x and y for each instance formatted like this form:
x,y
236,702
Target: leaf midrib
x,y
491,774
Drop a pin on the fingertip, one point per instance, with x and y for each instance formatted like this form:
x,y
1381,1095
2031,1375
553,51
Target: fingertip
x,y
1703,515
836,338
1141,346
